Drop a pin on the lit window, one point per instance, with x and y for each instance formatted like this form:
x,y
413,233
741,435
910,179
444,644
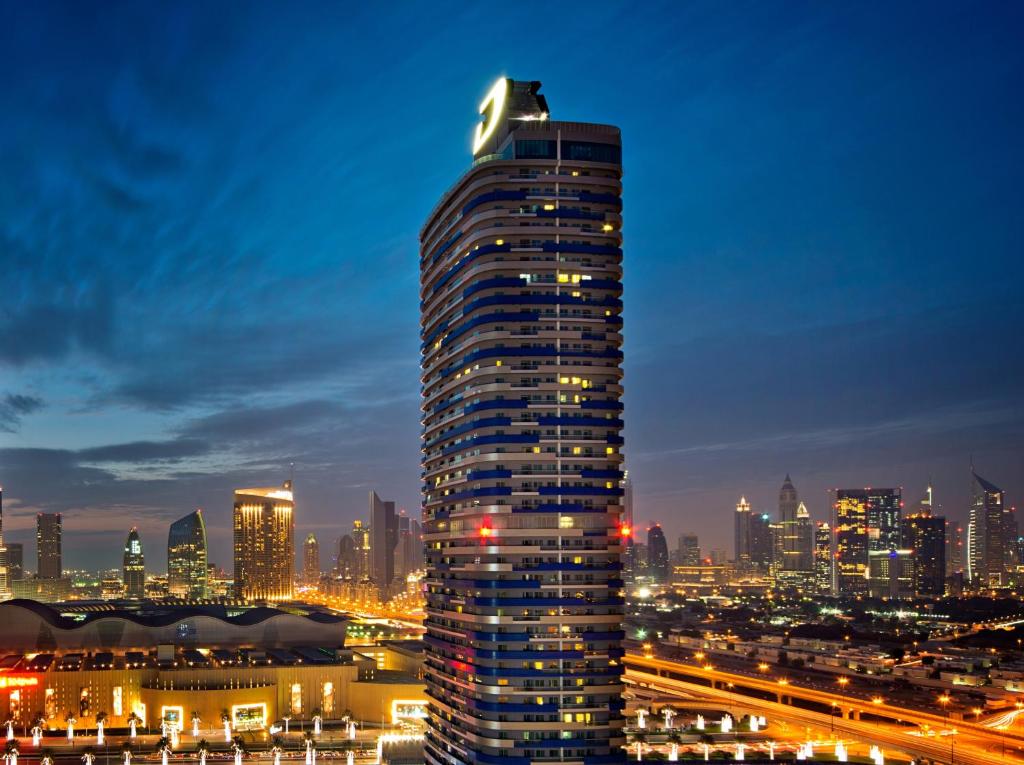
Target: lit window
x,y
549,207
540,699
296,700
576,450
565,522
118,701
606,227
539,665
497,363
563,278
499,242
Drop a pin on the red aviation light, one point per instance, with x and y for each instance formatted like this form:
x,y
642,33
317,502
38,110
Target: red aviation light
x,y
625,531
486,532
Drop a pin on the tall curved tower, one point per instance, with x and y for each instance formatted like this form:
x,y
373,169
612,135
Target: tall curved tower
x,y
520,286
186,557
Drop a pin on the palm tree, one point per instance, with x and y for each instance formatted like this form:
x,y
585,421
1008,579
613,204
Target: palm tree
x,y
226,719
317,719
668,713
88,755
639,739
101,718
126,752
70,719
9,724
310,747
11,752
287,719
37,728
133,721
46,757
707,740
163,747
202,749
239,748
196,719
277,749
674,738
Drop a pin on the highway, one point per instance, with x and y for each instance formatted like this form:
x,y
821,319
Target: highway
x,y
919,733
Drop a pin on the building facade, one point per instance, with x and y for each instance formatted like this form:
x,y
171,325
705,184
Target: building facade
x,y
311,560
850,523
658,568
264,543
522,459
187,557
48,546
383,539
986,537
823,558
925,534
5,575
741,535
133,569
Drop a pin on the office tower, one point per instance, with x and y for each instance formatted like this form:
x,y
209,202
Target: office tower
x,y
383,538
891,574
657,555
689,549
409,551
48,546
925,534
850,522
822,558
789,543
347,564
741,534
884,518
187,565
133,571
311,560
15,562
804,541
264,542
954,548
761,541
986,566
361,538
520,287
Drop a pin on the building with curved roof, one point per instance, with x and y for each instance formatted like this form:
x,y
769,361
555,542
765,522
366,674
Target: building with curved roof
x,y
186,557
30,626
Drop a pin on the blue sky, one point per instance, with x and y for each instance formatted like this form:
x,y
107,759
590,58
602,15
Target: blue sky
x,y
208,222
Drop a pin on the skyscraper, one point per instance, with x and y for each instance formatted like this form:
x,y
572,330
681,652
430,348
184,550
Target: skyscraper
x,y
884,518
688,549
850,521
15,561
789,501
520,287
741,534
925,534
985,535
187,557
361,539
48,546
804,540
657,555
264,540
761,541
347,565
954,548
311,560
823,558
133,571
383,538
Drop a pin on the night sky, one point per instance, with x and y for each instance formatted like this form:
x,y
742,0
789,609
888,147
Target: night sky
x,y
208,248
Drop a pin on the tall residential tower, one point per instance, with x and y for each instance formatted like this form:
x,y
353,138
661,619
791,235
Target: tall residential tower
x,y
186,557
264,543
520,290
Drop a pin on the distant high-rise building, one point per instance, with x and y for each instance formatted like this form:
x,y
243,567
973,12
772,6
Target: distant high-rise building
x,y
789,540
804,540
264,542
187,565
689,549
48,546
311,560
15,562
850,521
741,535
954,548
409,550
761,538
925,535
986,554
884,518
133,570
362,540
384,538
629,565
347,563
823,558
657,555
891,574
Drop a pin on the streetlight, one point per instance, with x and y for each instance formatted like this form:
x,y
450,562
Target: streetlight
x,y
843,682
763,666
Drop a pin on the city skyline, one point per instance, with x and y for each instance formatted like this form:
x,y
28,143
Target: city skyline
x,y
845,173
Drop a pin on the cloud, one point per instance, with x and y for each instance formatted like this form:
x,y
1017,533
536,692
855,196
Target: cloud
x,y
258,422
145,451
13,407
